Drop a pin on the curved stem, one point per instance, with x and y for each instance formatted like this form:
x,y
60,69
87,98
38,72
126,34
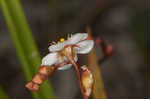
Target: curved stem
x,y
69,52
79,78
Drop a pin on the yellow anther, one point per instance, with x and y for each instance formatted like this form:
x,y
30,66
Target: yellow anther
x,y
62,39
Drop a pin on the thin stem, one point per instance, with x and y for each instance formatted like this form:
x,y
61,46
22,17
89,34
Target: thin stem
x,y
68,52
78,74
79,78
98,88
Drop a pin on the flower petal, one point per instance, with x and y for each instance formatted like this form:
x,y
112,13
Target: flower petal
x,y
75,58
77,38
50,59
65,67
84,47
57,47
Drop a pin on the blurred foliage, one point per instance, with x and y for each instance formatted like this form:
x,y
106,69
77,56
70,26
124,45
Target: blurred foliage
x,y
2,94
141,30
141,34
98,90
24,43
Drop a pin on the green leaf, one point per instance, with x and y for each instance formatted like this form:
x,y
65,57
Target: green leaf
x,y
24,43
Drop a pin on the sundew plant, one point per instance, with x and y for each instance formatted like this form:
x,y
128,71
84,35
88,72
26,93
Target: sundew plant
x,y
62,56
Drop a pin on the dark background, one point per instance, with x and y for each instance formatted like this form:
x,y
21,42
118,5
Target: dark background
x,y
123,23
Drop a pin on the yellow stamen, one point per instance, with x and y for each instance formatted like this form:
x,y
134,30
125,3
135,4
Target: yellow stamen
x,y
62,40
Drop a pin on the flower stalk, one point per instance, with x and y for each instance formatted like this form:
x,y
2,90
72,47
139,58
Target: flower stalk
x,y
107,50
69,53
79,79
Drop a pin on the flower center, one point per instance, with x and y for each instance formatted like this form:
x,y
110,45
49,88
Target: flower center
x,y
61,40
68,52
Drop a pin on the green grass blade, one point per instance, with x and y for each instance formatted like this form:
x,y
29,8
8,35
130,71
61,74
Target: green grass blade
x,y
19,49
24,43
24,32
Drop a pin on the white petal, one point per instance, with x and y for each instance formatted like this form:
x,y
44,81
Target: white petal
x,y
76,58
50,59
77,38
84,47
65,67
57,47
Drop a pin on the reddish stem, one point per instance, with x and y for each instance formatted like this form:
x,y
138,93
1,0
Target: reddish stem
x,y
68,51
79,78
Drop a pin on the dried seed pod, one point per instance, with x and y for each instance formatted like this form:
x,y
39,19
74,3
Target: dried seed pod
x,y
46,70
87,80
38,79
43,73
32,86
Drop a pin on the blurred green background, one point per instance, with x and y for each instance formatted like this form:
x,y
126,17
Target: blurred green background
x,y
123,23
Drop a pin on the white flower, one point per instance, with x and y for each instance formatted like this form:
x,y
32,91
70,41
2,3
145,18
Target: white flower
x,y
82,46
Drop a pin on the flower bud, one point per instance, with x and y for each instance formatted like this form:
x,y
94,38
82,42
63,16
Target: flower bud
x,y
87,80
109,50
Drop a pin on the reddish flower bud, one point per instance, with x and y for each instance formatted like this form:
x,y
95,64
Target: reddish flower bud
x,y
109,50
87,80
